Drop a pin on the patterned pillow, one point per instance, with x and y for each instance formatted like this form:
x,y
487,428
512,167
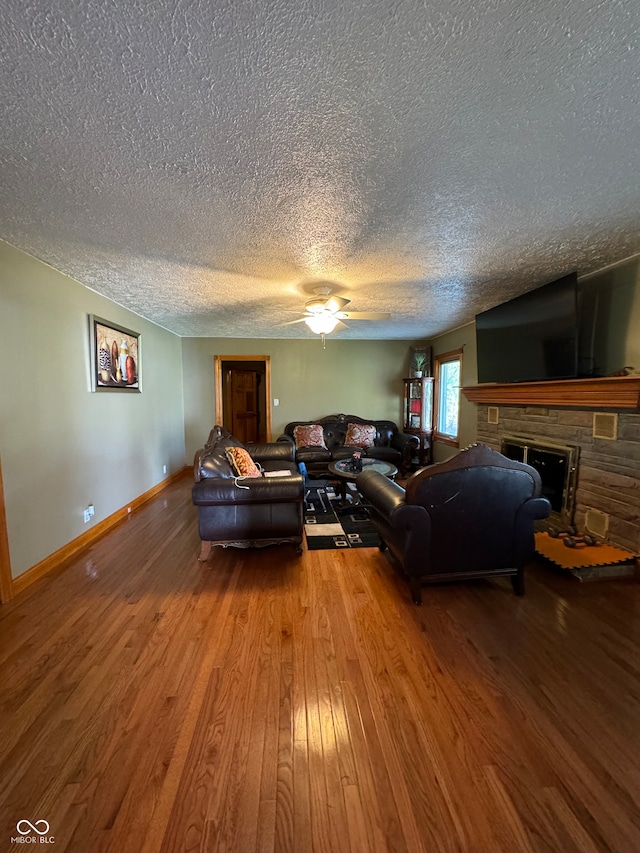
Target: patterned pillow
x,y
360,435
242,463
309,436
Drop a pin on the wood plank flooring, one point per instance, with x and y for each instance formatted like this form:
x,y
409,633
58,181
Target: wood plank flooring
x,y
269,702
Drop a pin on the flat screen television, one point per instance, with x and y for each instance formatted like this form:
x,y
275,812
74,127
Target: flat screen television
x,y
608,308
532,337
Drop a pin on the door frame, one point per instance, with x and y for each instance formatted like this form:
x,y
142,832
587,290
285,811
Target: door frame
x,y
218,361
6,580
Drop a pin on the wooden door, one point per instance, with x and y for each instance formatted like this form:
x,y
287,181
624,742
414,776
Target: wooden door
x,y
243,388
260,365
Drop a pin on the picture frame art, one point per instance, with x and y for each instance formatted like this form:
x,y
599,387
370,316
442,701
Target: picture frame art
x,y
115,356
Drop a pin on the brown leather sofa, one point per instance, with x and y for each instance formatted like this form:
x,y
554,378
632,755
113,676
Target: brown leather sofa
x,y
246,512
390,444
471,516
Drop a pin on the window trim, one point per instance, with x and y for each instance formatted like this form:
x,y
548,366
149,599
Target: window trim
x,y
438,361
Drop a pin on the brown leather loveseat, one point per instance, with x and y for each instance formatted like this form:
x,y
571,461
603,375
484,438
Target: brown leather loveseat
x,y
388,442
247,511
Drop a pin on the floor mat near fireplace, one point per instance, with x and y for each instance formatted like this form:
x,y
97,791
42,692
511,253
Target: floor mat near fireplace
x,y
584,557
329,523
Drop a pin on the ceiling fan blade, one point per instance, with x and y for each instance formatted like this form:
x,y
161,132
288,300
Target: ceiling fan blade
x,y
363,315
335,303
291,322
340,325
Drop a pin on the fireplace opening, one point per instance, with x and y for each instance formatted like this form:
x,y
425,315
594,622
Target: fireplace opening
x,y
557,465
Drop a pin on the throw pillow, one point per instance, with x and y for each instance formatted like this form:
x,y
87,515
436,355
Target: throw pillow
x,y
242,463
309,436
360,435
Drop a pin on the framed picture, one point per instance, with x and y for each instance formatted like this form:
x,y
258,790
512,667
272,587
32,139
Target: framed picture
x,y
115,356
420,362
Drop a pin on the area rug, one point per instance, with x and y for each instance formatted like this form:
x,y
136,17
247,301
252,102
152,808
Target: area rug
x,y
330,524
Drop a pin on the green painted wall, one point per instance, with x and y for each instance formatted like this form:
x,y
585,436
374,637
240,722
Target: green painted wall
x,y
355,377
62,446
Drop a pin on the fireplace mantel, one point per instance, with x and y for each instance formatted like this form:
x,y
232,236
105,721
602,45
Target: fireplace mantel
x,y
612,392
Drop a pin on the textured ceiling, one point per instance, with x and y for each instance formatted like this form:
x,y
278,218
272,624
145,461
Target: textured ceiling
x,y
205,163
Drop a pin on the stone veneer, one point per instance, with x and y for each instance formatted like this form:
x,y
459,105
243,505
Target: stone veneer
x,y
608,471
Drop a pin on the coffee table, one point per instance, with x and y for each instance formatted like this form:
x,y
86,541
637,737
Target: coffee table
x,y
342,470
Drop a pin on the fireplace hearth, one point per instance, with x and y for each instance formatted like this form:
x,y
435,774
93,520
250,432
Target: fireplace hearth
x,y
557,465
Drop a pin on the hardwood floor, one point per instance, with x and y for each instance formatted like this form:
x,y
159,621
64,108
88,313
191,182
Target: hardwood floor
x,y
269,702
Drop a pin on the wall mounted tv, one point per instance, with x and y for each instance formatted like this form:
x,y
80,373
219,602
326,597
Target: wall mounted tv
x,y
532,337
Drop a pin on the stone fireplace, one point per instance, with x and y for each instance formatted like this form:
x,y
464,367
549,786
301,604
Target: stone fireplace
x,y
606,484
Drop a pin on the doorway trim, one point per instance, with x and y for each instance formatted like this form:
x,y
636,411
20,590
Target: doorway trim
x,y
6,580
218,361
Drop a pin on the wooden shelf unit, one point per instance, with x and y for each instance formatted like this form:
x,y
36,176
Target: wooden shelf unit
x,y
611,392
418,414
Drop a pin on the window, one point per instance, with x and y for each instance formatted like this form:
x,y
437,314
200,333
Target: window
x,y
448,374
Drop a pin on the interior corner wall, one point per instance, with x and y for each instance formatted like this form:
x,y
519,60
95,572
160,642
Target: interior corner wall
x,y
355,377
462,338
62,446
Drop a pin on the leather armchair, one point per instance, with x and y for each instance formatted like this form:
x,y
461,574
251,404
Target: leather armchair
x,y
471,516
246,512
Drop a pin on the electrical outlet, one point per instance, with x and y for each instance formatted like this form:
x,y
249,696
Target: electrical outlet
x,y
164,469
87,516
91,510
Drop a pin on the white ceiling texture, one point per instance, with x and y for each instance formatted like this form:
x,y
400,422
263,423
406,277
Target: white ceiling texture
x,y
205,163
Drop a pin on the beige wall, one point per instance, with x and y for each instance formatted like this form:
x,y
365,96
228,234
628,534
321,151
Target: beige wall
x,y
62,446
355,377
465,338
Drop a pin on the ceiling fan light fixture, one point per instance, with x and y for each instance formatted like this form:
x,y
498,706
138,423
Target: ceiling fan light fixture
x,y
325,302
322,324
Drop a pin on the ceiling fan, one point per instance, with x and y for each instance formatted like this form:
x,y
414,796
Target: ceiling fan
x,y
325,312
